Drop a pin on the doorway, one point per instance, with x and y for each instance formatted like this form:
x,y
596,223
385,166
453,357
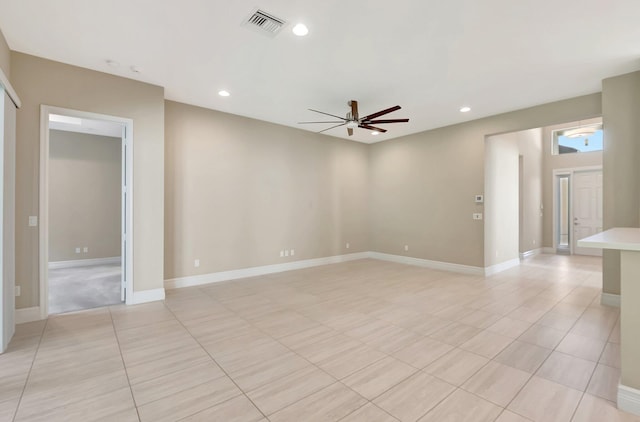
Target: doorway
x,y
577,209
86,210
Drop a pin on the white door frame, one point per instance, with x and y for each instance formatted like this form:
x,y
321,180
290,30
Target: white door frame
x,y
566,172
127,211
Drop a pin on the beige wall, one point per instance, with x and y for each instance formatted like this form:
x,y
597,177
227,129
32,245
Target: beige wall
x,y
5,56
238,191
423,185
561,161
39,81
621,174
84,195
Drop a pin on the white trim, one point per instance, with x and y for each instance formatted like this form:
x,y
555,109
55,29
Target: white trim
x,y
145,296
4,81
437,265
198,280
609,299
547,249
43,239
494,269
84,262
532,252
629,399
28,315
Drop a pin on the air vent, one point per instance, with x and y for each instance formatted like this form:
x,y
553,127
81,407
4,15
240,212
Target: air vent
x,y
264,23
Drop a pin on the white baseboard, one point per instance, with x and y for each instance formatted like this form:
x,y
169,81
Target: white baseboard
x,y
532,252
198,280
547,249
84,262
28,315
609,299
437,265
629,399
495,269
146,296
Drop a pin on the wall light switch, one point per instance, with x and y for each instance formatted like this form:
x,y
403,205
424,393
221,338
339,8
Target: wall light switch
x,y
77,250
348,246
477,216
17,291
479,199
406,247
293,252
286,252
196,263
85,249
33,220
281,254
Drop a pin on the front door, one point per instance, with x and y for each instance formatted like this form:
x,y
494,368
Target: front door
x,y
587,208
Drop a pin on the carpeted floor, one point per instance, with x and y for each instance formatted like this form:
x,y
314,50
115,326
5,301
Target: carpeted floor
x,y
72,289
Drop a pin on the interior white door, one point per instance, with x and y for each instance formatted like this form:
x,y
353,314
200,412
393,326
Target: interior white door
x,y
587,208
7,218
123,218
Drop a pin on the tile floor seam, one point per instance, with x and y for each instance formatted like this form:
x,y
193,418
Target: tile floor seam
x,y
368,402
33,360
219,366
124,366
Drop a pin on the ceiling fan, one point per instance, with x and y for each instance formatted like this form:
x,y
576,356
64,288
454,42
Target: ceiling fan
x,y
353,120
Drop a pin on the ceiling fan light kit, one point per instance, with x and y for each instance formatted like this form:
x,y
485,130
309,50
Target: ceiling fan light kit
x,y
353,120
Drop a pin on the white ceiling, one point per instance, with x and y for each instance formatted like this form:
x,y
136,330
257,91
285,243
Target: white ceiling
x,y
90,126
429,56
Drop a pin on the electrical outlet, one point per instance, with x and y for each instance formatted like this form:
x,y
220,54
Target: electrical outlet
x,y
406,247
17,291
293,252
33,220
348,245
77,250
196,263
85,249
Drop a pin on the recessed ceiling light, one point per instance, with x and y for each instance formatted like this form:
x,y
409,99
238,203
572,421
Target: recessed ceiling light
x,y
375,133
465,109
223,93
300,30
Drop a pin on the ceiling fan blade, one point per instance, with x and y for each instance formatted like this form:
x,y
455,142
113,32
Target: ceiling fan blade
x,y
381,113
377,129
386,121
302,123
329,128
332,115
350,131
354,109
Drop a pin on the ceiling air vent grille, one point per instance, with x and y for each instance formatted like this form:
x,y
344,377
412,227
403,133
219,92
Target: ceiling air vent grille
x,y
265,22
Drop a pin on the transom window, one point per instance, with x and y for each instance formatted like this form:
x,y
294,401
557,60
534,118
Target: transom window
x,y
585,138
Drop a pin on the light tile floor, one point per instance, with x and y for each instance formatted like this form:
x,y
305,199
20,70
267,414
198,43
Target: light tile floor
x,y
361,341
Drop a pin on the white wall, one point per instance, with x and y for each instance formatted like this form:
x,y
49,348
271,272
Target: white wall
x,y
501,243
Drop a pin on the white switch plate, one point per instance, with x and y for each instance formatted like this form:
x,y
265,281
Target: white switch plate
x,y
477,216
406,247
281,254
286,252
33,220
293,252
479,199
348,246
85,249
18,291
196,263
77,250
